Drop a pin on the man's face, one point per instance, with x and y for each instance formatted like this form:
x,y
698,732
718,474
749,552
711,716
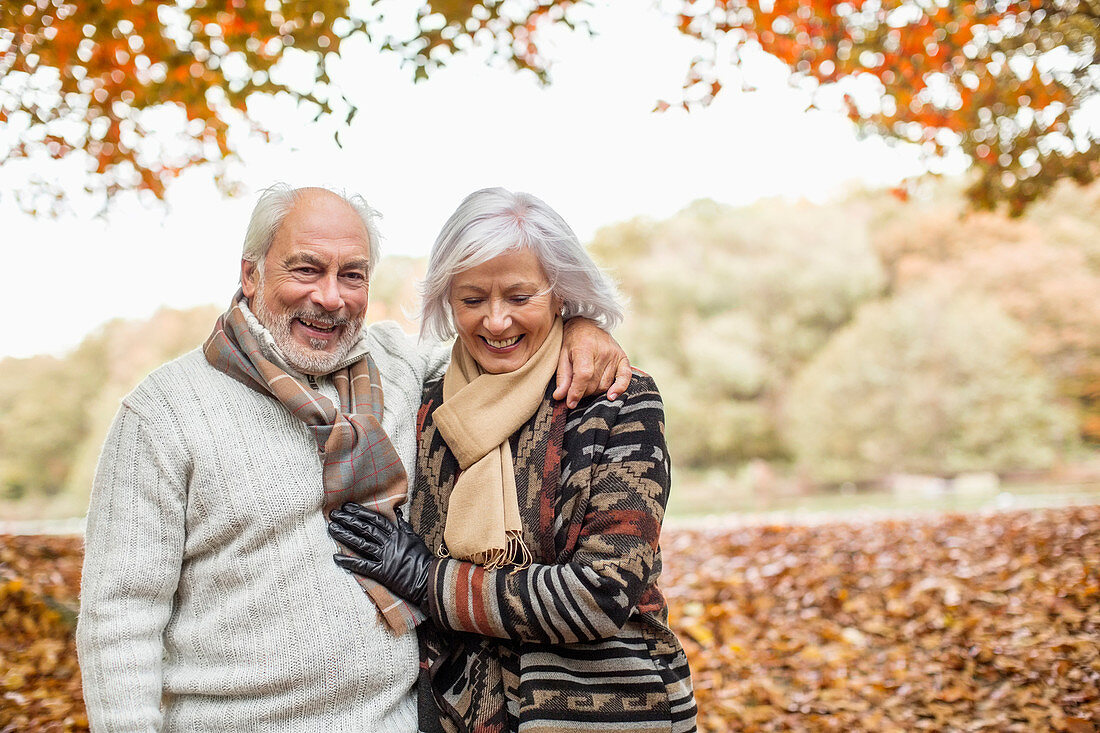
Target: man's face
x,y
311,290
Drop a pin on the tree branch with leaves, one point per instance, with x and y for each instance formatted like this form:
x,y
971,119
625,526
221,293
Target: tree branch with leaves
x,y
999,81
1002,82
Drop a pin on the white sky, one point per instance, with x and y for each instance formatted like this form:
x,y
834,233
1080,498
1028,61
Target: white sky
x,y
588,145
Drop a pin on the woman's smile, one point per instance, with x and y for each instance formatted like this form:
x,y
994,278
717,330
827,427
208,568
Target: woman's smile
x,y
502,344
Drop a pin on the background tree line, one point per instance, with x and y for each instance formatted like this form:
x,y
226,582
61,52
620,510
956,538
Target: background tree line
x,y
871,336
838,342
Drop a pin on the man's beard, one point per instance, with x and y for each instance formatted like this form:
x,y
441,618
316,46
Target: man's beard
x,y
313,360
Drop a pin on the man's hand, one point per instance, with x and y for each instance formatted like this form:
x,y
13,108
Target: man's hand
x,y
590,362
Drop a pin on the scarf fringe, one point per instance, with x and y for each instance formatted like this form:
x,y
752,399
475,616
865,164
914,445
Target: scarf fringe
x,y
514,554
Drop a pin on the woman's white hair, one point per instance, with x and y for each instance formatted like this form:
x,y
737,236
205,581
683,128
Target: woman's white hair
x,y
493,221
275,203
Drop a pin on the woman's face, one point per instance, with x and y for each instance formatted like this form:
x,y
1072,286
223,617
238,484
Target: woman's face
x,y
503,310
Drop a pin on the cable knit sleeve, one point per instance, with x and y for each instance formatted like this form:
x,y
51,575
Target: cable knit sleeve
x,y
133,553
436,355
426,359
621,445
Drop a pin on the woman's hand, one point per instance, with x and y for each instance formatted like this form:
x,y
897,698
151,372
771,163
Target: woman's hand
x,y
389,553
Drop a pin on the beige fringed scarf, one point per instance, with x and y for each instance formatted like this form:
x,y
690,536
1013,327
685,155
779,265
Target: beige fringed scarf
x,y
479,413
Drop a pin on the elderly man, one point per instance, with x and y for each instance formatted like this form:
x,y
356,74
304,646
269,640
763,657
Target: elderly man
x,y
199,612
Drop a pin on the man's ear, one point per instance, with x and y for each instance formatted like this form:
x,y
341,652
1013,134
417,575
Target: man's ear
x,y
248,278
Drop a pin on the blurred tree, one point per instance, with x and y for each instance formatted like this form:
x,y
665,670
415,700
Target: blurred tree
x,y
999,80
726,304
729,305
1042,269
393,294
43,420
54,412
87,76
927,381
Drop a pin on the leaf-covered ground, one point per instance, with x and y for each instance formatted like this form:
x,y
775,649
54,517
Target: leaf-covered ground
x,y
39,678
957,623
953,623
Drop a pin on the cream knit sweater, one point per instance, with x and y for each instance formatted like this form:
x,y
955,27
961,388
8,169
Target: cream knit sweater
x,y
209,598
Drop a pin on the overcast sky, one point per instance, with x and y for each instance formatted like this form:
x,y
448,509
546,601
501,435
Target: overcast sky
x,y
588,144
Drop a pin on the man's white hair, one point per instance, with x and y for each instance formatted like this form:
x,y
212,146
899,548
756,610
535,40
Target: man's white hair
x,y
275,203
493,221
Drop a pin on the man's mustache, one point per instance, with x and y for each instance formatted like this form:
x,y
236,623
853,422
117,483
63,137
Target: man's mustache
x,y
320,317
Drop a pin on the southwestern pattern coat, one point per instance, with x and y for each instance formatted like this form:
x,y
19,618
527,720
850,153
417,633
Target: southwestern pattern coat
x,y
579,639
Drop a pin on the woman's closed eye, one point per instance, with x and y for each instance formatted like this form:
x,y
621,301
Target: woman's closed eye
x,y
516,299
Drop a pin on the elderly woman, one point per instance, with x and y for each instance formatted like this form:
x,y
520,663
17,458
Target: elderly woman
x,y
532,539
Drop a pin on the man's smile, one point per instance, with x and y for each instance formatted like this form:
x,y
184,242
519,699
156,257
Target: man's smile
x,y
321,326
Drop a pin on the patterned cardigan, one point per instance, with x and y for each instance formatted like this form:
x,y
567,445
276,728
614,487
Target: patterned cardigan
x,y
580,638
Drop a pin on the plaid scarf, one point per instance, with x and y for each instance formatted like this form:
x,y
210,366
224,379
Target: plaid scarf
x,y
360,462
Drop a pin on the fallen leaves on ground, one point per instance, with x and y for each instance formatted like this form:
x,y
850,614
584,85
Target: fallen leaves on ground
x,y
39,678
952,623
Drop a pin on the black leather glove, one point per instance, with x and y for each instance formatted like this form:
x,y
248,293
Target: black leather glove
x,y
387,552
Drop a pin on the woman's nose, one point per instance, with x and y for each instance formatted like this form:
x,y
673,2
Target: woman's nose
x,y
499,318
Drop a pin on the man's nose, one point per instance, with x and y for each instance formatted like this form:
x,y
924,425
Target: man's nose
x,y
327,294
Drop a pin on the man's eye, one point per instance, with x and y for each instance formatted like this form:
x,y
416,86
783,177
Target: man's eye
x,y
355,275
306,270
